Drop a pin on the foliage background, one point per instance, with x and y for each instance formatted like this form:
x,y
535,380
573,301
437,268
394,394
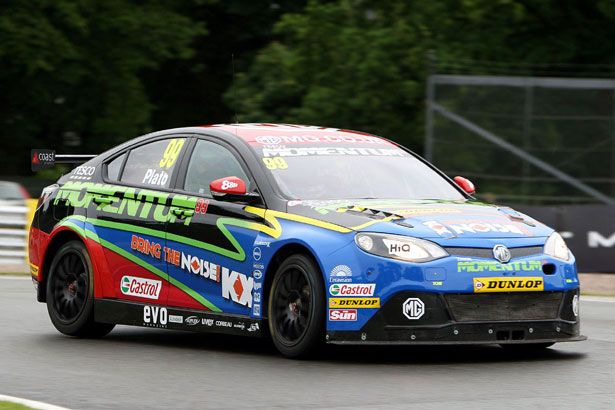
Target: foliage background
x,y
81,76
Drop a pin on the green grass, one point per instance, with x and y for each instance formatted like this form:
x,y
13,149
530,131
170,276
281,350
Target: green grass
x,y
7,405
14,273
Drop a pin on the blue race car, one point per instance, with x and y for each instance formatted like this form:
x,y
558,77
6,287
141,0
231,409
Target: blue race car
x,y
308,234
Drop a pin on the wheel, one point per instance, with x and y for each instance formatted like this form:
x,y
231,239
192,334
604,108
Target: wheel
x,y
526,347
70,293
297,307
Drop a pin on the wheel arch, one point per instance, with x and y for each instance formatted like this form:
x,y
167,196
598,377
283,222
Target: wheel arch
x,y
59,239
281,254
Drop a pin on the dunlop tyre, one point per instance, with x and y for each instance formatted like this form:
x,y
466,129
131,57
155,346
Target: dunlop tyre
x,y
296,308
70,293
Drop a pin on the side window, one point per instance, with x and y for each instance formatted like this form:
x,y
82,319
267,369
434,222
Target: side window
x,y
209,162
114,167
153,163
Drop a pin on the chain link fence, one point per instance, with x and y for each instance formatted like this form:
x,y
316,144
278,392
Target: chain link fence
x,y
525,140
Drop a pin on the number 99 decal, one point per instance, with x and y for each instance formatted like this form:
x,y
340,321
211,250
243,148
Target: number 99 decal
x,y
171,152
275,163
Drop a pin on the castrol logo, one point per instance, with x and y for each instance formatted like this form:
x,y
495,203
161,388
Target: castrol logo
x,y
140,287
352,289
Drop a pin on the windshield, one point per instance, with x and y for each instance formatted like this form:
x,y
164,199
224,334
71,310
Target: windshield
x,y
349,171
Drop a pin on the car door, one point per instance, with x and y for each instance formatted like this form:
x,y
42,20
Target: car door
x,y
213,239
129,214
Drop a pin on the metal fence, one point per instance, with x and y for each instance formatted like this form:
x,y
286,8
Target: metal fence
x,y
14,225
525,140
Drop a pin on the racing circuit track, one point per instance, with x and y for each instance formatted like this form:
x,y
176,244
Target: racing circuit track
x,y
139,368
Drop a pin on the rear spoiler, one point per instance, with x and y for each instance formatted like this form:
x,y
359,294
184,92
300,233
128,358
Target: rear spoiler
x,y
46,158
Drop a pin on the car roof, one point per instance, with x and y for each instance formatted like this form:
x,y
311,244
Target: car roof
x,y
264,133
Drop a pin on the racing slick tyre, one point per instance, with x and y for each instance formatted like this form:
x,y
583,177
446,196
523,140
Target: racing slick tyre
x,y
70,293
296,307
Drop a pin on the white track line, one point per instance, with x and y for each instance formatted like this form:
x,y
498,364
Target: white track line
x,y
15,277
31,403
605,299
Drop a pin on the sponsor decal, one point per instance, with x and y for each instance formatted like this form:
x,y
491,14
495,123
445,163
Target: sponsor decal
x,y
520,284
314,139
337,151
145,247
521,266
257,253
155,316
140,287
341,273
223,323
253,327
257,297
176,319
398,248
152,177
413,308
438,228
42,159
237,287
355,289
474,227
192,320
201,206
575,305
262,243
354,302
343,315
200,267
82,172
228,184
207,322
501,253
240,325
258,266
257,310
258,286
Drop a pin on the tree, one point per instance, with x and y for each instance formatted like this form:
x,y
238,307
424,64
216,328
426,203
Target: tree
x,y
71,71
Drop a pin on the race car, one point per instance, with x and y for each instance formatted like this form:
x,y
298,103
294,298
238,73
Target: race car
x,y
309,235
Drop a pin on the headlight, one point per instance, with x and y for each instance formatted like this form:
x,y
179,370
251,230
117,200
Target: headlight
x,y
404,248
556,247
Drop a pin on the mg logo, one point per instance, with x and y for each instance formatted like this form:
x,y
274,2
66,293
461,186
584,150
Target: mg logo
x,y
501,253
413,308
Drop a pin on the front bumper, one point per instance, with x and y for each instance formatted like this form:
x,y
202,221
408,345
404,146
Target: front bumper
x,y
503,318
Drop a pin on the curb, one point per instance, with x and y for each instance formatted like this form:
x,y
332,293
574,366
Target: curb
x,y
31,403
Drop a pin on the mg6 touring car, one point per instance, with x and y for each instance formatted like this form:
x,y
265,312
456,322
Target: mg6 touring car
x,y
306,234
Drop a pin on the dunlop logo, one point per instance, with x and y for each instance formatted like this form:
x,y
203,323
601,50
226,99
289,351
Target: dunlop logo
x,y
520,284
354,302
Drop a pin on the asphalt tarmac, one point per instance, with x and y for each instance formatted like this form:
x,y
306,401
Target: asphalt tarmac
x,y
140,368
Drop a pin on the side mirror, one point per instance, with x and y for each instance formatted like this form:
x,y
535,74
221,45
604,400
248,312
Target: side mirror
x,y
465,184
231,189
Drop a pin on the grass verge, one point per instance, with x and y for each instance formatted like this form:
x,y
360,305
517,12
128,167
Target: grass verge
x,y
7,405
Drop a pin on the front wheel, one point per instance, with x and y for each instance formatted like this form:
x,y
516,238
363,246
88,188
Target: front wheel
x,y
70,293
297,307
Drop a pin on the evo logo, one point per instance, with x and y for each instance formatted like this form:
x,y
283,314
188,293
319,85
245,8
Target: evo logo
x,y
155,316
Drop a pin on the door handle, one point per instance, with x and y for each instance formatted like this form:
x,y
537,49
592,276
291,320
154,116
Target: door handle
x,y
183,213
102,200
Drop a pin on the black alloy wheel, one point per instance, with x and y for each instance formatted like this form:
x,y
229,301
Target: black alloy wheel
x,y
70,293
297,307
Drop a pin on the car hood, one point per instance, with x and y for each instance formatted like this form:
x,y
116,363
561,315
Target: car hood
x,y
424,218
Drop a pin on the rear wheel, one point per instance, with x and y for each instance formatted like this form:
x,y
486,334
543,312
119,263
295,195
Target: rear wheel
x,y
297,307
70,293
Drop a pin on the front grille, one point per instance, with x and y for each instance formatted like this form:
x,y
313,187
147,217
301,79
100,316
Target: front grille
x,y
488,252
504,306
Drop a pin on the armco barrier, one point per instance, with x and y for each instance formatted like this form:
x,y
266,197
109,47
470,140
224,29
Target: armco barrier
x,y
14,225
589,231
